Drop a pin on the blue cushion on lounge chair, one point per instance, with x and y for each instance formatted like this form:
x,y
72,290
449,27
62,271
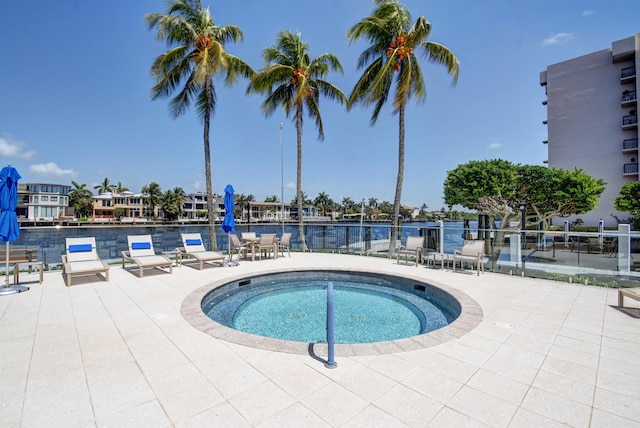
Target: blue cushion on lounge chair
x,y
79,248
193,242
140,245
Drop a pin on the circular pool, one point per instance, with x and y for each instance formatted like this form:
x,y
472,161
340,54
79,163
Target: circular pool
x,y
366,308
286,311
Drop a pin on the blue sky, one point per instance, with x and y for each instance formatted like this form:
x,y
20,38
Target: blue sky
x,y
75,105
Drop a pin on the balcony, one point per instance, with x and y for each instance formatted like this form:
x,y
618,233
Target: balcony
x,y
630,121
628,75
628,98
630,168
630,145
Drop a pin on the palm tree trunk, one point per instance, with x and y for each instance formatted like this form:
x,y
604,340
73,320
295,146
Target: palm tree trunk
x,y
207,168
303,242
396,199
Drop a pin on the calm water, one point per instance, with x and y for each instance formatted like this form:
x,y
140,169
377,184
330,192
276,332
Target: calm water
x,y
365,309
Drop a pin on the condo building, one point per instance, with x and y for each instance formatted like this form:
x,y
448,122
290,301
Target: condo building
x,y
592,120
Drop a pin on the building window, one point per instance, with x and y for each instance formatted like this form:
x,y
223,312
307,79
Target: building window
x,y
54,199
44,198
35,199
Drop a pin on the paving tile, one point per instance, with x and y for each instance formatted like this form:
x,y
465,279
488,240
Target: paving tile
x,y
564,387
148,414
221,415
372,417
294,417
570,369
482,407
366,383
57,396
527,418
618,383
433,385
262,403
334,404
557,408
451,419
408,406
183,392
117,388
513,370
602,419
451,367
499,386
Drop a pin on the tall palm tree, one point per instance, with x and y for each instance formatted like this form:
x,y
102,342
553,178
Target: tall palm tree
x,y
292,80
391,67
104,187
197,54
152,196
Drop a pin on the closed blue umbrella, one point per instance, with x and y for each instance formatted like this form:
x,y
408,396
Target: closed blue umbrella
x,y
9,227
229,222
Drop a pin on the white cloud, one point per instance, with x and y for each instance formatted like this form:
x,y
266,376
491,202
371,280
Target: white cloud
x,y
11,148
557,39
494,145
290,185
50,169
587,13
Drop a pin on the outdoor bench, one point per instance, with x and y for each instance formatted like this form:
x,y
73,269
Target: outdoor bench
x,y
21,257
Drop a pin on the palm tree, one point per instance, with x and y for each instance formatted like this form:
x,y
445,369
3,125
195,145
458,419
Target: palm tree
x,y
81,199
152,196
322,201
119,189
347,204
390,65
104,187
197,54
292,80
172,202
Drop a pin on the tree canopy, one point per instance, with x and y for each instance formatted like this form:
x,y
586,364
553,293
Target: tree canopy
x,y
497,187
629,201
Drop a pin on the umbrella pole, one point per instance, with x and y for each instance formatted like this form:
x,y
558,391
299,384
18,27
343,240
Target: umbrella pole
x,y
6,272
230,262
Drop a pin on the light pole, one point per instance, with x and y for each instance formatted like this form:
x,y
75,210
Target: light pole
x,y
281,180
523,209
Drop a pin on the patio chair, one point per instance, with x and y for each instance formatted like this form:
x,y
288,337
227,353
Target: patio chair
x,y
267,244
472,251
81,259
142,254
284,242
412,247
239,246
194,248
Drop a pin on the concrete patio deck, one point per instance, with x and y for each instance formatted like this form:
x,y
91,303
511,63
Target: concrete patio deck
x,y
121,354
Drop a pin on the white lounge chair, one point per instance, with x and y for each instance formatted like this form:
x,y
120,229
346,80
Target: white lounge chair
x,y
142,254
81,259
194,248
413,247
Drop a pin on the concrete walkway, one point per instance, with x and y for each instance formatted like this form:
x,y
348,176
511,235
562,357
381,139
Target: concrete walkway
x,y
121,354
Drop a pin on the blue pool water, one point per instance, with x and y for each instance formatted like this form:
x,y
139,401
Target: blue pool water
x,y
367,309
